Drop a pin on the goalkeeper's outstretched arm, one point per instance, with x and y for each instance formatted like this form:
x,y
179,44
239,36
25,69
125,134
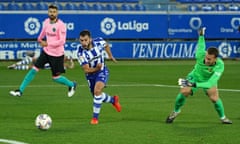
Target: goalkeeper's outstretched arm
x,y
201,45
208,84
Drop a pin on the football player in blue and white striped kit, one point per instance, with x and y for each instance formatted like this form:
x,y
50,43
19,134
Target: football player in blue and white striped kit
x,y
90,54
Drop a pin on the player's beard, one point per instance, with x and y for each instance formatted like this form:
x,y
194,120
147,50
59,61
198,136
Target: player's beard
x,y
87,46
52,17
210,63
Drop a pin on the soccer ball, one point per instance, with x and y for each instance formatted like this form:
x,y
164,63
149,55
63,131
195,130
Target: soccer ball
x,y
43,121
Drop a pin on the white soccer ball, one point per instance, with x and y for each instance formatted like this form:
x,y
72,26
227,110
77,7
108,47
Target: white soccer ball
x,y
43,121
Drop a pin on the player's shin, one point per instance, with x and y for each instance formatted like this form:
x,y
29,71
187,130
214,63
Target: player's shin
x,y
97,102
63,80
180,101
219,108
27,79
107,98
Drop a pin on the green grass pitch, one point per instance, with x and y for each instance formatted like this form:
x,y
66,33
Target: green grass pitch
x,y
147,91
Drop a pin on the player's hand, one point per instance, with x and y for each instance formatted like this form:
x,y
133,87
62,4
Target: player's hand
x,y
113,59
202,31
99,66
185,83
43,43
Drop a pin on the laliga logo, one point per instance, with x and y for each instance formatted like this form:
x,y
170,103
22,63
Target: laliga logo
x,y
195,23
225,49
108,26
235,22
32,26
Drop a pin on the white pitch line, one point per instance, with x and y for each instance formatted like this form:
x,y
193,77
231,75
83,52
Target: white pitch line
x,y
120,85
11,141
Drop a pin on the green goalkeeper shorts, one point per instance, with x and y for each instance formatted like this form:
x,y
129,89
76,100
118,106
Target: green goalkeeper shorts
x,y
192,79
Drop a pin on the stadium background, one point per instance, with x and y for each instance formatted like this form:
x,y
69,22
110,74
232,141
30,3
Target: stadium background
x,y
136,29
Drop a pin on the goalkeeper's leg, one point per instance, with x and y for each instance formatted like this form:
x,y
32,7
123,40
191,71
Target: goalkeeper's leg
x,y
218,105
180,101
220,110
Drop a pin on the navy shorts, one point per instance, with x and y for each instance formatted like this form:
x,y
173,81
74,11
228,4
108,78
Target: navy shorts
x,y
98,76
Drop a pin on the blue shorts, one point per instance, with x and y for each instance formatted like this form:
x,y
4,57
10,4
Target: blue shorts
x,y
96,77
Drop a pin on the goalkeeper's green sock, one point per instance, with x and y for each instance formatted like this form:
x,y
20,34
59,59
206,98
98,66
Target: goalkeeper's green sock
x,y
219,108
27,79
180,101
64,80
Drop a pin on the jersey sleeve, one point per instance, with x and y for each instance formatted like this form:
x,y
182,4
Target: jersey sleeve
x,y
80,57
42,33
201,46
101,43
218,70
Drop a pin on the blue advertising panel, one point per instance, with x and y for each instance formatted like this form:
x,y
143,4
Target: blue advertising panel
x,y
129,50
20,26
218,25
171,50
124,26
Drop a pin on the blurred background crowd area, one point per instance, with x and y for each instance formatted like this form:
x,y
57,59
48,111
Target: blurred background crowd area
x,y
123,5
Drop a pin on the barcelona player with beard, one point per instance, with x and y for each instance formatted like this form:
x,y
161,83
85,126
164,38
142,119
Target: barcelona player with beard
x,y
52,38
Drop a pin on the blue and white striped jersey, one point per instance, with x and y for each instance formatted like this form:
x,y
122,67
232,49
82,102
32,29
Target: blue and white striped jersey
x,y
93,56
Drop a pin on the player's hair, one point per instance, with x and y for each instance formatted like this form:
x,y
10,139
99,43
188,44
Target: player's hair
x,y
213,51
52,7
85,32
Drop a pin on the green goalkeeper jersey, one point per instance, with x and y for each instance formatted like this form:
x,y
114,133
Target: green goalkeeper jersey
x,y
206,76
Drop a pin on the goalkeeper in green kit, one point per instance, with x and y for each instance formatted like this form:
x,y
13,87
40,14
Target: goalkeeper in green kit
x,y
205,75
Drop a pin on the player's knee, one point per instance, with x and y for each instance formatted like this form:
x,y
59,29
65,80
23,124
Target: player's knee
x,y
56,78
54,75
214,98
97,92
185,91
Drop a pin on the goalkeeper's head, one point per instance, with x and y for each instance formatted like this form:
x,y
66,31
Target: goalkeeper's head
x,y
211,56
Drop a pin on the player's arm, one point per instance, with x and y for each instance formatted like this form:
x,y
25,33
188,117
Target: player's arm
x,y
85,66
108,50
201,45
88,69
212,81
208,84
41,36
